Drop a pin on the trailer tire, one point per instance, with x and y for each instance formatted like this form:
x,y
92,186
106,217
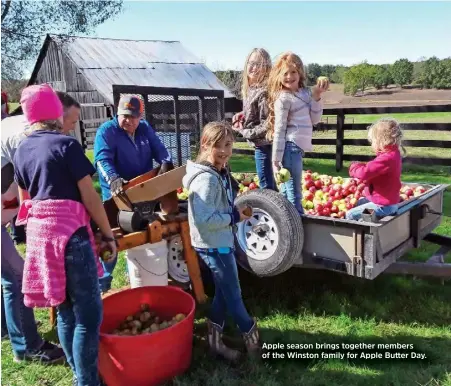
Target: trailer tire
x,y
272,249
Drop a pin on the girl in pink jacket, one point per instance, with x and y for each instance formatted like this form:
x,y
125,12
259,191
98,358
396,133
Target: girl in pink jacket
x,y
382,175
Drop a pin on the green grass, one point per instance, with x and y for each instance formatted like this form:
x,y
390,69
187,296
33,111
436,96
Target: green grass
x,y
444,117
309,306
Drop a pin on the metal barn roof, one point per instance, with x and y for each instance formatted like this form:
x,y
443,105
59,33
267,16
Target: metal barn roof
x,y
105,62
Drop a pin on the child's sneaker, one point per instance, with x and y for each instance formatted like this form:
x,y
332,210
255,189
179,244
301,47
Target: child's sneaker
x,y
49,353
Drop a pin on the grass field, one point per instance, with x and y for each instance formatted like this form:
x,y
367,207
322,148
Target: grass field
x,y
304,306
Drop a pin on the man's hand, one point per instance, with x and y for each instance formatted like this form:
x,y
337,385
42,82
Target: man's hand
x,y
116,186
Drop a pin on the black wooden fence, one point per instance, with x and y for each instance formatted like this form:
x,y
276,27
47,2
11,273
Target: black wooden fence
x,y
340,126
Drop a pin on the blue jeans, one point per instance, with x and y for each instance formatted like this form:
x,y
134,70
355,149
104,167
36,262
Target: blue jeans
x,y
80,316
381,211
17,232
292,160
20,322
227,288
107,278
263,164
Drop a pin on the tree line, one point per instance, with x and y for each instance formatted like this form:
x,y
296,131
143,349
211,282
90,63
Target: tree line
x,y
426,73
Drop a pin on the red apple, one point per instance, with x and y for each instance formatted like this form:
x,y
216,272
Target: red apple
x,y
342,214
353,188
253,186
338,196
307,176
180,190
309,183
408,192
326,212
349,206
334,209
325,189
308,195
319,207
312,189
328,204
308,171
420,189
346,192
318,184
337,187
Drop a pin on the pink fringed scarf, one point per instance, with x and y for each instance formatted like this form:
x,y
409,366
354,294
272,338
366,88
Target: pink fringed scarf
x,y
50,225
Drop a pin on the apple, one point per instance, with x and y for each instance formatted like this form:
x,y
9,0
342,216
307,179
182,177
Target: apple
x,y
342,207
327,181
253,186
403,197
353,201
325,189
180,190
309,205
319,194
307,177
341,214
335,180
315,176
308,195
349,206
338,196
245,189
319,208
334,209
310,183
336,187
283,175
361,187
246,181
420,189
312,189
352,189
326,212
408,192
346,192
318,184
308,171
328,204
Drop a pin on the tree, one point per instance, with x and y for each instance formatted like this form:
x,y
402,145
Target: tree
x,y
232,80
428,73
358,77
26,22
313,71
382,76
402,72
338,75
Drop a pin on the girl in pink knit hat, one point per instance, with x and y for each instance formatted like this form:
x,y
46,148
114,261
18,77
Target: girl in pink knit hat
x,y
62,267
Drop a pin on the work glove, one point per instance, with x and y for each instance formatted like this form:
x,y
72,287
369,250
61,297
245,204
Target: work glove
x,y
165,167
116,186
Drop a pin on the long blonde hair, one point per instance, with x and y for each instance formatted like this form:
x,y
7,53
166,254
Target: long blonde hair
x,y
266,59
212,134
50,125
385,132
284,63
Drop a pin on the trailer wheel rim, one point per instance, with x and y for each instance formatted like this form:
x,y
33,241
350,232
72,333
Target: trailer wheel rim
x,y
258,236
177,268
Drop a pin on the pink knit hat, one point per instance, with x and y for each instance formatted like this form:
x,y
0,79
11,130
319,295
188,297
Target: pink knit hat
x,y
40,103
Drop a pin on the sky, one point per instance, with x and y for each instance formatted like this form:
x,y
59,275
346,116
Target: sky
x,y
222,33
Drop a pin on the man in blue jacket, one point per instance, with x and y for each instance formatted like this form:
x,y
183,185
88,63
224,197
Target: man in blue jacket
x,y
124,148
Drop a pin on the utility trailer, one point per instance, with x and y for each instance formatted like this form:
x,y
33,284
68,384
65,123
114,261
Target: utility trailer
x,y
276,238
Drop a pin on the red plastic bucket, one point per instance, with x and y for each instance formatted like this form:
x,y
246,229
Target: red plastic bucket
x,y
149,359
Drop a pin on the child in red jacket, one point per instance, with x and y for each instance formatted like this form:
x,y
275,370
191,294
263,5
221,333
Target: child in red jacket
x,y
382,175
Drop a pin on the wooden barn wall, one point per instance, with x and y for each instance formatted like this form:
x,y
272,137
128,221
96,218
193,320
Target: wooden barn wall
x,y
51,69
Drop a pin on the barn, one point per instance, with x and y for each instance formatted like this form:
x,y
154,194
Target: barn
x,y
87,68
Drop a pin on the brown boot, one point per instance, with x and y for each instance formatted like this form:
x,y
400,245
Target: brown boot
x,y
217,346
252,342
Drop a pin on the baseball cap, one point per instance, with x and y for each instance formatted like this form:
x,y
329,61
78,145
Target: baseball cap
x,y
130,105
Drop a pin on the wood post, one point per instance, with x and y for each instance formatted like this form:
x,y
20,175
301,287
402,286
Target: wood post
x,y
192,263
340,138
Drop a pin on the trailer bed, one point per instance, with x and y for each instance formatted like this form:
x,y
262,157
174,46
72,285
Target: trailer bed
x,y
366,249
